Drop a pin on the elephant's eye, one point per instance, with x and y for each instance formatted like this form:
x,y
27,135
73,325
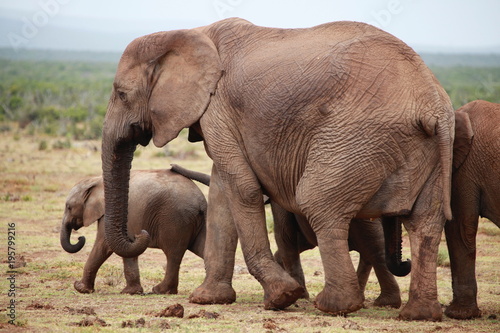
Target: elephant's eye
x,y
122,95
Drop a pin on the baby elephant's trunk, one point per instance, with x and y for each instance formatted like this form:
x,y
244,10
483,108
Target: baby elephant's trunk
x,y
66,242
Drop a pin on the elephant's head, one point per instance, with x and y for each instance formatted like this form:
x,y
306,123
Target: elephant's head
x,y
84,206
164,83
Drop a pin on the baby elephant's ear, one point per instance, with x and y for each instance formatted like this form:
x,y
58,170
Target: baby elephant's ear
x,y
94,204
463,138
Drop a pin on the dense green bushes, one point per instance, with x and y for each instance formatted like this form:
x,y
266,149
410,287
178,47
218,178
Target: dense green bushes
x,y
69,98
56,98
465,84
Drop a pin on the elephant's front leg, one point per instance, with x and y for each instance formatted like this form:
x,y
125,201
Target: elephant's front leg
x,y
288,254
220,249
280,289
367,237
132,276
246,204
99,254
363,272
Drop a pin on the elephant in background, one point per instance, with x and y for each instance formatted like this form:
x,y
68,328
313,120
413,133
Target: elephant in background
x,y
365,237
475,192
169,206
333,122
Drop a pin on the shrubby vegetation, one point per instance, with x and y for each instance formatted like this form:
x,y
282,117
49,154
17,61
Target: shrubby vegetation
x,y
465,84
62,97
55,98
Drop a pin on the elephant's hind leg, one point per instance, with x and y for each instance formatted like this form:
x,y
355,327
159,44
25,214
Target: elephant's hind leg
x,y
342,293
424,229
171,280
329,207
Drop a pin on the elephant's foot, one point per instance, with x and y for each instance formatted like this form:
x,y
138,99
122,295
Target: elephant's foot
x,y
421,310
83,288
338,303
213,293
282,293
390,300
160,289
133,290
457,310
305,294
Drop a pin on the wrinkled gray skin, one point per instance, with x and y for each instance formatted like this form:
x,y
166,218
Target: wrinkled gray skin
x,y
334,122
365,237
169,206
475,192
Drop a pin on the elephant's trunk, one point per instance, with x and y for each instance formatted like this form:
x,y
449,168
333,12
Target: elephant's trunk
x,y
65,239
393,245
117,157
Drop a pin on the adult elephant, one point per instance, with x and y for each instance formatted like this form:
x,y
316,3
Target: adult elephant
x,y
475,192
333,122
169,206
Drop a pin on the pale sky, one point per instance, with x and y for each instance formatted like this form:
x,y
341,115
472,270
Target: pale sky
x,y
453,25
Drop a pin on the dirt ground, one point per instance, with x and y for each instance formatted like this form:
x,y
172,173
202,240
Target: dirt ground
x,y
33,187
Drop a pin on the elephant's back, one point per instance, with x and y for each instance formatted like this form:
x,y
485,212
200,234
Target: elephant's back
x,y
164,186
165,203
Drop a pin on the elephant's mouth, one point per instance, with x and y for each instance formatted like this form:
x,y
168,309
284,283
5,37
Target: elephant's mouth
x,y
140,135
75,223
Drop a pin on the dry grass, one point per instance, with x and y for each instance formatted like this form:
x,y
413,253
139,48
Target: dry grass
x,y
33,188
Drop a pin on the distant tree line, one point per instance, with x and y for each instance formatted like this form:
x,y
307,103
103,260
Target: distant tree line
x,y
69,98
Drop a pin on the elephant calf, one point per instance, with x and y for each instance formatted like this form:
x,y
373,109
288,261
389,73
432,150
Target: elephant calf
x,y
166,204
475,192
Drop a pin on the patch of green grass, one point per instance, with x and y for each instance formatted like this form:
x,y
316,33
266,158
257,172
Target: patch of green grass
x,y
43,145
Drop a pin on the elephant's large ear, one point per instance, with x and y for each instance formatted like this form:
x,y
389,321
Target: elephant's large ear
x,y
93,208
183,77
463,138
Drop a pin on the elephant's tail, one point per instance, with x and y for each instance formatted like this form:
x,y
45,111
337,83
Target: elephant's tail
x,y
445,137
442,125
194,175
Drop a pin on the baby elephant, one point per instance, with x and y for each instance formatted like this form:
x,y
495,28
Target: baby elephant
x,y
168,205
